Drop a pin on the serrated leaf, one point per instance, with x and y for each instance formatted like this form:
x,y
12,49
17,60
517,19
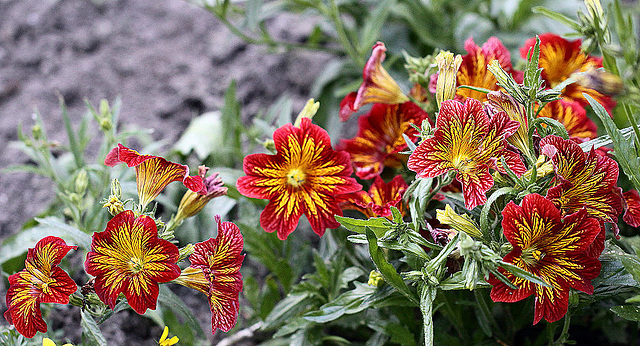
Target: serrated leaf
x,y
90,330
388,272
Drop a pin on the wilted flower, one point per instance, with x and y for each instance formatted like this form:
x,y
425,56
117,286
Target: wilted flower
x,y
153,173
550,247
560,59
474,72
128,257
193,202
41,281
379,140
572,116
601,81
215,271
469,143
377,86
632,214
379,200
302,178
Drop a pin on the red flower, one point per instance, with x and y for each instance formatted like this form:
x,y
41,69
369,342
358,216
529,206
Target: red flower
x,y
573,116
470,143
550,247
379,200
632,214
379,140
377,86
474,72
153,173
215,271
302,178
193,202
128,257
42,281
559,59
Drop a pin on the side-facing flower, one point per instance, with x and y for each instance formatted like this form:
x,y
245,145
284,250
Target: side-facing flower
x,y
469,143
41,281
474,72
193,202
560,59
129,258
584,180
153,173
379,200
379,140
550,247
215,271
632,214
501,101
573,116
303,177
377,86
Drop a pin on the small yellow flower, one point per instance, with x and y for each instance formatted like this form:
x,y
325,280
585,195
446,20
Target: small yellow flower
x,y
163,339
49,342
375,279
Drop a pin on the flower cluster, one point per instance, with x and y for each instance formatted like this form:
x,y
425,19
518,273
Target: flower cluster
x,y
129,257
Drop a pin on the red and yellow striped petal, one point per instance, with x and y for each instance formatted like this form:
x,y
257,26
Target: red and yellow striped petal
x,y
467,141
559,59
129,258
585,180
379,140
302,178
153,173
632,214
42,281
573,116
474,72
550,247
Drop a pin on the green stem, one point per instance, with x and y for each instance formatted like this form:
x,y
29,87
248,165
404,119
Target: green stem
x,y
334,14
427,296
564,335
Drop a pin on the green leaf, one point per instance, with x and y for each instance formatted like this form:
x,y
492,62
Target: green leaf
x,y
558,17
204,135
379,225
173,302
76,149
523,274
374,24
286,308
388,272
632,265
628,312
623,149
91,331
553,127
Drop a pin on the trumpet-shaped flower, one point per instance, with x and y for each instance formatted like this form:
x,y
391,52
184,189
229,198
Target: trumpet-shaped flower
x,y
302,178
193,202
215,271
474,72
468,142
153,173
501,101
379,140
41,281
377,86
560,59
129,258
573,116
632,214
550,247
379,200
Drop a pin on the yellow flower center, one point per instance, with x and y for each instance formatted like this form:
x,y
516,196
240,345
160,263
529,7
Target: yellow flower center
x,y
532,256
296,177
463,164
136,264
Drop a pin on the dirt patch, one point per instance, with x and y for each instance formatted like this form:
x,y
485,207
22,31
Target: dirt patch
x,y
168,60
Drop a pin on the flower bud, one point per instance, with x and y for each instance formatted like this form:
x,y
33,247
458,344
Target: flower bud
x,y
193,202
460,223
375,279
310,109
81,182
600,80
448,66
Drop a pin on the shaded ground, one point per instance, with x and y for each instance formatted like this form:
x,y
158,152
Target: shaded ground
x,y
168,60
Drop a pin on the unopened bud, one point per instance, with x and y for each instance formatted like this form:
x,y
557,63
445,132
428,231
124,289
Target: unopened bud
x,y
185,251
462,223
310,109
601,81
448,66
82,182
116,189
270,145
114,205
375,279
36,131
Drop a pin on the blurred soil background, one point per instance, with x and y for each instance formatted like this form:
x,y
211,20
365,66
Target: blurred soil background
x,y
168,60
